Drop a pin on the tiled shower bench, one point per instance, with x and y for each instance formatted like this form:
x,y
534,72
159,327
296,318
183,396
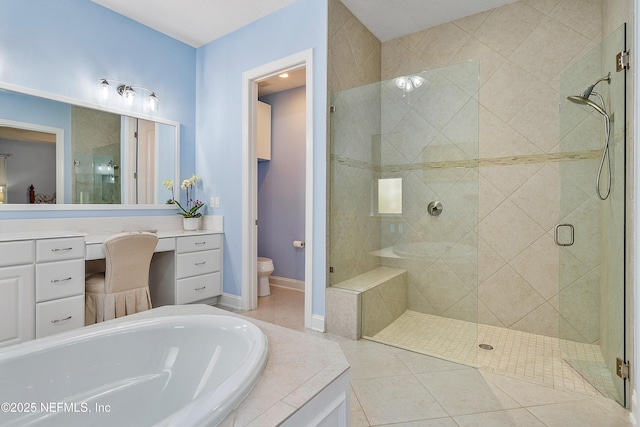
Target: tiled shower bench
x,y
364,305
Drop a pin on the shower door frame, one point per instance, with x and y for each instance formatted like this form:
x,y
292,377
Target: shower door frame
x,y
623,358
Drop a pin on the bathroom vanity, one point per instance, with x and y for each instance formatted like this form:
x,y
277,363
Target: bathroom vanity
x,y
41,285
42,275
186,266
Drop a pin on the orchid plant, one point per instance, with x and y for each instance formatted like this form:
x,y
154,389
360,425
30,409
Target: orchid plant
x,y
193,205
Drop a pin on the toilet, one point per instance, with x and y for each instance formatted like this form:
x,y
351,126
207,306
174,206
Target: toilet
x,y
265,268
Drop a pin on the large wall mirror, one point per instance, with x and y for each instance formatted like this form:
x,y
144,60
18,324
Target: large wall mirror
x,y
54,152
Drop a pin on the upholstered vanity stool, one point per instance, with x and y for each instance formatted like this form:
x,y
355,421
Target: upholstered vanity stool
x,y
124,286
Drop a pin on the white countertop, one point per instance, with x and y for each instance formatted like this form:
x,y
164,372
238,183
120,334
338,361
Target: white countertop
x,y
93,239
33,235
299,367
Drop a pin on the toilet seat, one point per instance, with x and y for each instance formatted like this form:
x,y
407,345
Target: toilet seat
x,y
263,260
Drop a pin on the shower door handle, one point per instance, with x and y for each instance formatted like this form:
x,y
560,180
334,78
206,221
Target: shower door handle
x,y
556,234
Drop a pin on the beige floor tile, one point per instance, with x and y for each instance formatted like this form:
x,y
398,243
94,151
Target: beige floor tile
x,y
529,394
358,419
402,388
577,414
369,362
421,364
396,399
473,395
439,422
509,418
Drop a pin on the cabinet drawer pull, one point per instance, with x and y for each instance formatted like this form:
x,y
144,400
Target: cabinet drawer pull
x,y
60,280
201,243
61,320
200,289
200,263
60,249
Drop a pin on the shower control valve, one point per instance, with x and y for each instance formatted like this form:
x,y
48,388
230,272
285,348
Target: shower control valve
x,y
434,208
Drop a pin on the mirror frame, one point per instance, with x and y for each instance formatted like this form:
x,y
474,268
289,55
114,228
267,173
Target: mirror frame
x,y
60,153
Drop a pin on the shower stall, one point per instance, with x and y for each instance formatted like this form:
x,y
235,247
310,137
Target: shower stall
x,y
455,251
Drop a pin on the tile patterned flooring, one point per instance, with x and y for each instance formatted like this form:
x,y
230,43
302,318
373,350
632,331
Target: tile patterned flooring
x,y
395,387
522,355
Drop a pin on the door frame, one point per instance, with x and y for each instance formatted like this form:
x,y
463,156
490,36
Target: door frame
x,y
250,80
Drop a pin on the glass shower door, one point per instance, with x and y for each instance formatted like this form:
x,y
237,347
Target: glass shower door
x,y
404,208
590,234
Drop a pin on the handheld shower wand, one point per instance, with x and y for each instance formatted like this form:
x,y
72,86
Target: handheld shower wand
x,y
583,99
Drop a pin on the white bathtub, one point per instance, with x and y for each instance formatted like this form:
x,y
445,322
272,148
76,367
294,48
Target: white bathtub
x,y
167,371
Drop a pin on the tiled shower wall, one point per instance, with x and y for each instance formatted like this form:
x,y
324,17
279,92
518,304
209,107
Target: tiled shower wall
x,y
523,48
354,61
521,61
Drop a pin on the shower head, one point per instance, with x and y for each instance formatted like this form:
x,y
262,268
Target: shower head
x,y
579,99
587,92
584,98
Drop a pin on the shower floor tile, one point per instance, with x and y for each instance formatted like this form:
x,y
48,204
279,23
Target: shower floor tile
x,y
522,355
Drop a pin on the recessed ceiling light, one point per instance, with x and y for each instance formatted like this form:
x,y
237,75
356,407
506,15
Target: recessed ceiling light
x,y
284,75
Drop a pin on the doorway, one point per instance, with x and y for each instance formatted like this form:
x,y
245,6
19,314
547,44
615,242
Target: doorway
x,y
250,82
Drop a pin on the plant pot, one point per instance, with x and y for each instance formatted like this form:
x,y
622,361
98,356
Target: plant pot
x,y
190,224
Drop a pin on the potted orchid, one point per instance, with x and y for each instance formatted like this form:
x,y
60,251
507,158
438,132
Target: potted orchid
x,y
190,214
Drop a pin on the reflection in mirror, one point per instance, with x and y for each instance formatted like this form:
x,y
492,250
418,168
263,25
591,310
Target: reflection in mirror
x,y
99,157
95,153
28,163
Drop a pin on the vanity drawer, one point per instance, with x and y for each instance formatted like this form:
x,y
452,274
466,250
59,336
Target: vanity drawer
x,y
196,263
204,242
60,315
59,249
16,253
198,288
59,279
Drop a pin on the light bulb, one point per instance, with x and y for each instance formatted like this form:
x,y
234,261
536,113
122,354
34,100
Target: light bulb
x,y
401,82
417,81
129,95
105,89
153,102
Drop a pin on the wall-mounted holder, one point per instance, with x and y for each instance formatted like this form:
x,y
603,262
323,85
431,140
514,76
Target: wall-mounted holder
x,y
434,208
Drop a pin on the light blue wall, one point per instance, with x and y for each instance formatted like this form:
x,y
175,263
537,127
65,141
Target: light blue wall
x,y
295,28
281,185
165,162
64,47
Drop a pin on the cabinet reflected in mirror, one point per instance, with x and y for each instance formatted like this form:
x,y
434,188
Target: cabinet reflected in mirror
x,y
84,155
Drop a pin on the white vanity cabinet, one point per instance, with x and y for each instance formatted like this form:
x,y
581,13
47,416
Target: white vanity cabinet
x,y
197,275
59,285
17,293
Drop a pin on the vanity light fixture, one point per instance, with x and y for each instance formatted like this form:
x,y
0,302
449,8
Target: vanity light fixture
x,y
128,92
284,75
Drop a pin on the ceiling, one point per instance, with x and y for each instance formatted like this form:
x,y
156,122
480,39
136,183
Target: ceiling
x,y
197,22
295,78
390,19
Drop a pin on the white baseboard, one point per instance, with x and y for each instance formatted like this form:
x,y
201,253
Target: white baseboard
x,y
229,301
285,282
317,322
634,409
